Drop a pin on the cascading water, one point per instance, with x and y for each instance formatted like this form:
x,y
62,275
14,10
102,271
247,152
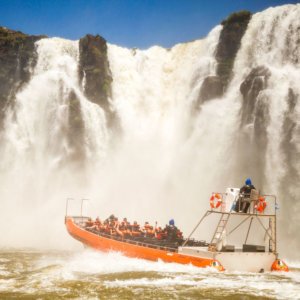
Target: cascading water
x,y
154,92
169,156
38,144
272,132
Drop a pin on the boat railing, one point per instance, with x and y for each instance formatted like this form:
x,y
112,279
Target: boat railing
x,y
247,204
250,206
139,241
80,220
81,217
133,241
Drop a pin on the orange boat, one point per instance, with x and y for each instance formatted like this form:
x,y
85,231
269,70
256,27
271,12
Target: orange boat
x,y
217,254
132,248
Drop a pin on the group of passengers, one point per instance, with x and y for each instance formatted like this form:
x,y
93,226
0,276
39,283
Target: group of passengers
x,y
112,226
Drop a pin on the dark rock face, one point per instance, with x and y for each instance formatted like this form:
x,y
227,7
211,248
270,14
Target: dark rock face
x,y
255,118
76,128
17,59
250,88
94,67
291,156
288,145
233,30
229,43
211,88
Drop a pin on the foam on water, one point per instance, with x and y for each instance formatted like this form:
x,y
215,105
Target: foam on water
x,y
93,262
170,156
95,272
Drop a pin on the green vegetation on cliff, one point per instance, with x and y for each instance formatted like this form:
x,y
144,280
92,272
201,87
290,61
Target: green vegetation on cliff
x,y
237,17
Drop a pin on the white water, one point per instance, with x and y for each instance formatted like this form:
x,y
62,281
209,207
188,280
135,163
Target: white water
x,y
115,274
36,175
168,160
154,91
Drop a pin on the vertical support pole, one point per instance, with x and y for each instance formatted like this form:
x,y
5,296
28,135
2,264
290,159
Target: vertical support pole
x,y
67,205
81,207
248,230
206,214
275,229
272,222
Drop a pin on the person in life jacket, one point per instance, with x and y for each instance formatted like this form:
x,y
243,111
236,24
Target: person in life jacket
x,y
106,227
135,229
148,230
119,229
171,231
89,223
243,202
123,228
97,225
113,223
160,234
179,235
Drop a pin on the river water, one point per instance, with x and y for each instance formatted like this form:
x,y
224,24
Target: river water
x,y
86,274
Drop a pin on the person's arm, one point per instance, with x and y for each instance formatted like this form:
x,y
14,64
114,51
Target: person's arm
x,y
243,189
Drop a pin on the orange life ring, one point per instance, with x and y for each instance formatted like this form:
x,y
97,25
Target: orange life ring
x,y
212,200
279,265
262,204
216,264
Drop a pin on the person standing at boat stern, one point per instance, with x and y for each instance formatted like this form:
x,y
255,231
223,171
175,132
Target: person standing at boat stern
x,y
243,203
171,231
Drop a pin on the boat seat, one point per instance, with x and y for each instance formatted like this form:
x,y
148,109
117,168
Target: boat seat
x,y
253,248
228,248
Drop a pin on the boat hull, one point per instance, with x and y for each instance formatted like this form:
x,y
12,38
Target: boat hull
x,y
246,261
132,250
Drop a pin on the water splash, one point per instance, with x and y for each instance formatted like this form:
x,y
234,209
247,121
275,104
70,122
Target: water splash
x,y
90,274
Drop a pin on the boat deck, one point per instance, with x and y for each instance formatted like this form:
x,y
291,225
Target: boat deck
x,y
150,242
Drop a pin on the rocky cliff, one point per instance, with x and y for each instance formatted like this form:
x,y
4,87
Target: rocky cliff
x,y
231,35
17,59
233,30
95,73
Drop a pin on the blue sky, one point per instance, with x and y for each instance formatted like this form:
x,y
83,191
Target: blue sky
x,y
130,23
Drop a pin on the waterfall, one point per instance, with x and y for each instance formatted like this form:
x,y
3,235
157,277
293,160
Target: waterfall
x,y
38,142
170,152
160,162
272,133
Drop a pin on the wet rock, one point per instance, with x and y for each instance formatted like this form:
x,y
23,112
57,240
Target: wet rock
x,y
95,73
229,43
76,128
290,130
255,119
254,83
17,59
212,87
